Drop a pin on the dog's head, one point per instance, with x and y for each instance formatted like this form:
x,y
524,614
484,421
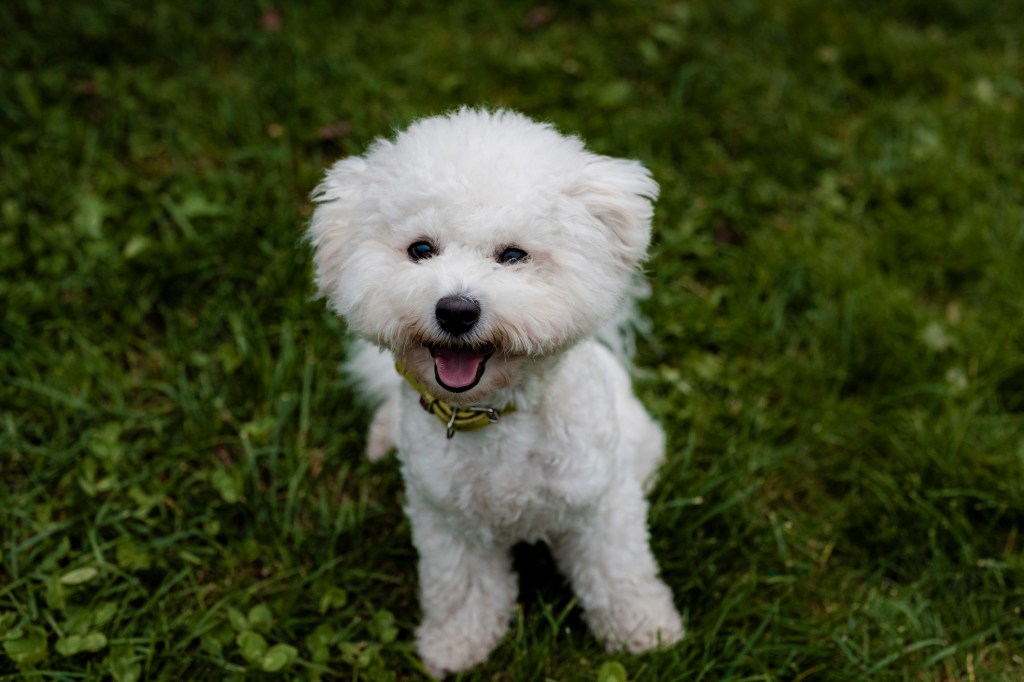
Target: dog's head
x,y
474,243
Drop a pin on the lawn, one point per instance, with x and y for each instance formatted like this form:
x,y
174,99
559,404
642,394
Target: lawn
x,y
835,347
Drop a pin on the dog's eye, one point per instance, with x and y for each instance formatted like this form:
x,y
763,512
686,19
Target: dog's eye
x,y
512,255
419,250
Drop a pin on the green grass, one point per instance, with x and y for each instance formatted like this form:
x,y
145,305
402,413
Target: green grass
x,y
836,347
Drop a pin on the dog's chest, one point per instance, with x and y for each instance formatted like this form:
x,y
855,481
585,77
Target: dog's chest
x,y
511,488
526,496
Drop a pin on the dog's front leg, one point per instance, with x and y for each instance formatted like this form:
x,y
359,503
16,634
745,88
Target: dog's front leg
x,y
467,591
609,562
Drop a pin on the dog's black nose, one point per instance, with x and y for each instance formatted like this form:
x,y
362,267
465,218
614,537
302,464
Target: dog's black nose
x,y
457,314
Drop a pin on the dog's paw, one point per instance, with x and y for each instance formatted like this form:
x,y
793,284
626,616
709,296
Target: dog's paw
x,y
638,625
447,650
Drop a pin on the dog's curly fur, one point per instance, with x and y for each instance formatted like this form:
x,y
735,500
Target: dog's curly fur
x,y
536,240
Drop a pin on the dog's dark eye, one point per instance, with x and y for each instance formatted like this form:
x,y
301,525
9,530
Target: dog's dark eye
x,y
512,255
419,250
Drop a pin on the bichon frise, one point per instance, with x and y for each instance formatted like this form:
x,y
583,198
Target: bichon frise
x,y
483,251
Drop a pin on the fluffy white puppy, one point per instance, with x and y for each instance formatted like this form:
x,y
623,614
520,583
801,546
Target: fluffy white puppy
x,y
483,251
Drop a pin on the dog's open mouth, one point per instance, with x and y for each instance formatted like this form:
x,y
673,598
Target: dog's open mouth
x,y
458,369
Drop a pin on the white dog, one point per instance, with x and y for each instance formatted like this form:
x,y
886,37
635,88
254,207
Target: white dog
x,y
484,251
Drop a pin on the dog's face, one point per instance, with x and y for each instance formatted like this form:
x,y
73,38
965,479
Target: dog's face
x,y
476,243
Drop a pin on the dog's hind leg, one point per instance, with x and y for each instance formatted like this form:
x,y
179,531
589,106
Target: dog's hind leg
x,y
378,439
643,441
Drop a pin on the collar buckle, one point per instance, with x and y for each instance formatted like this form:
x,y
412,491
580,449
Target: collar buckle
x,y
492,414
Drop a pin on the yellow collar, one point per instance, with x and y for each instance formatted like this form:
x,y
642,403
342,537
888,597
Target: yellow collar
x,y
455,418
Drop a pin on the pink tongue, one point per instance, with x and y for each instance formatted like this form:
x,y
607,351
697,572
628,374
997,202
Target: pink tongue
x,y
457,367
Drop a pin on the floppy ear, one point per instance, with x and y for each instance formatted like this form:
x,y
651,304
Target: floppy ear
x,y
335,221
619,194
